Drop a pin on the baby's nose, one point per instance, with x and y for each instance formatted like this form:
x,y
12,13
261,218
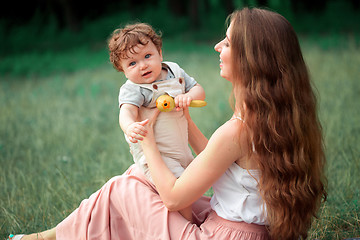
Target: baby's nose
x,y
143,65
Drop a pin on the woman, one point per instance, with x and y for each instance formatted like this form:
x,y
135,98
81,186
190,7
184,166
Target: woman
x,y
265,164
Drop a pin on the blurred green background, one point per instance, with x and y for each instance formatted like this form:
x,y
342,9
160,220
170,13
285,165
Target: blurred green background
x,y
59,133
41,29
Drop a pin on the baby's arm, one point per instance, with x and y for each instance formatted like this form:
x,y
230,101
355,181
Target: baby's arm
x,y
196,93
127,120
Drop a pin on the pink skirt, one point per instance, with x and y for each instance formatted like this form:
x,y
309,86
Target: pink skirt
x,y
129,207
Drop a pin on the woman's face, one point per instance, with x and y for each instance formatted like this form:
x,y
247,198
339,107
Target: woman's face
x,y
224,48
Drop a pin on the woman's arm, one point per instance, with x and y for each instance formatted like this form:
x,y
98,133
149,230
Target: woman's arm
x,y
221,151
197,140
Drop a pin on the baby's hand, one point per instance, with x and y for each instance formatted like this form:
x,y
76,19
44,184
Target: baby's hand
x,y
182,101
136,131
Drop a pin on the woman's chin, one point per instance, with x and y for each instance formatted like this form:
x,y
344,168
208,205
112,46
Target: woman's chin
x,y
224,76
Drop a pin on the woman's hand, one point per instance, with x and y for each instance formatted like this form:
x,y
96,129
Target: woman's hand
x,y
149,116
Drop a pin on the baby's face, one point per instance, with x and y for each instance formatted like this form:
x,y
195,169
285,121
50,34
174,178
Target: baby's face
x,y
143,65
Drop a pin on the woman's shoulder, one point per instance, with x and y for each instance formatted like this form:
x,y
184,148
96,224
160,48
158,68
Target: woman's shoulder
x,y
230,131
222,150
233,135
234,126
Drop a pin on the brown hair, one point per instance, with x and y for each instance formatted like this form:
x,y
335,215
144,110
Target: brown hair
x,y
272,81
123,40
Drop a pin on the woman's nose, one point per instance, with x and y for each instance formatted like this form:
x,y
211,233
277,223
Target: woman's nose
x,y
217,47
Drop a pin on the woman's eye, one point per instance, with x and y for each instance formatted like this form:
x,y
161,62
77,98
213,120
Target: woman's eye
x,y
147,55
132,64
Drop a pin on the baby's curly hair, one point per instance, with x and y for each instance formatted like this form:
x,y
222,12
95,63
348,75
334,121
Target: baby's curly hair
x,y
123,40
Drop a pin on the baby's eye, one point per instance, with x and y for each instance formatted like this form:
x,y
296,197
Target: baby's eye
x,y
132,64
147,55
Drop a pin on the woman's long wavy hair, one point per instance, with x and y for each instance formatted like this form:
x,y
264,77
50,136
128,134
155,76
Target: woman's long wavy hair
x,y
279,107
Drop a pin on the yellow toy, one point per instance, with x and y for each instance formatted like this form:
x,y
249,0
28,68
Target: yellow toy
x,y
166,103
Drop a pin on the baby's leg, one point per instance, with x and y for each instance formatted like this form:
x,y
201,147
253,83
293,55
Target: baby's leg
x,y
187,213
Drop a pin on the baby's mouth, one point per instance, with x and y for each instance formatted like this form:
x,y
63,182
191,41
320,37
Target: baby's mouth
x,y
146,74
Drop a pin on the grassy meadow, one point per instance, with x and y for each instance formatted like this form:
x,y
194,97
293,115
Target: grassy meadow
x,y
60,140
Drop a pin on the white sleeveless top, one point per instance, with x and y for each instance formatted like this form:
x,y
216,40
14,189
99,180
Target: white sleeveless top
x,y
236,196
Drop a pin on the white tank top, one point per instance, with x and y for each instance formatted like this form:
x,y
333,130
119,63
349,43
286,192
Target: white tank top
x,y
236,196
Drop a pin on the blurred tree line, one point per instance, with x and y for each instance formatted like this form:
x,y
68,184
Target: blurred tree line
x,y
24,22
71,13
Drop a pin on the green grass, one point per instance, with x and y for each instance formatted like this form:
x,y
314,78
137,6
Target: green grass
x,y
60,140
336,74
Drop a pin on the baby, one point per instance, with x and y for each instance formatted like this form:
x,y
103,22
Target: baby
x,y
136,51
